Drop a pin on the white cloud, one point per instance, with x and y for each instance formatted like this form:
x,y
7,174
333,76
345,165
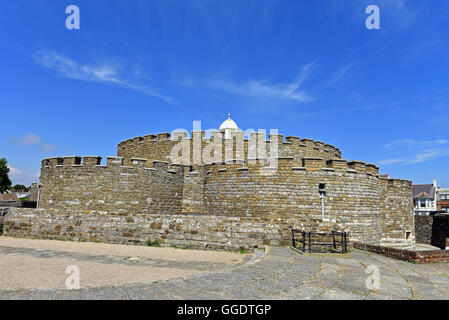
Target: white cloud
x,y
413,151
32,139
48,147
106,74
338,75
19,176
261,88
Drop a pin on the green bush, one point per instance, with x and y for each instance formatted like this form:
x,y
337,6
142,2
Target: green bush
x,y
154,243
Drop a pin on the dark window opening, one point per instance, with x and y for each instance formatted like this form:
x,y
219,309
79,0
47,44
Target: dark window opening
x,y
322,190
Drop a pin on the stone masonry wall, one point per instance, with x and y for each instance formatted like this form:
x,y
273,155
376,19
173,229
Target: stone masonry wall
x,y
116,189
433,230
440,230
160,146
397,212
292,193
245,202
248,190
193,231
423,229
3,212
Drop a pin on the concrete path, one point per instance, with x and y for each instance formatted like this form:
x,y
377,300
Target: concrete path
x,y
278,273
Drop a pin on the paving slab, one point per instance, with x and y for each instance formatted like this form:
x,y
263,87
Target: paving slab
x,y
277,273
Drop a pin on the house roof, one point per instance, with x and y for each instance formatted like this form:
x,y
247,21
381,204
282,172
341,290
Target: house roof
x,y
8,197
424,191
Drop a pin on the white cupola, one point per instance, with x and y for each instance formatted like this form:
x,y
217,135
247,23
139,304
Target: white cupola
x,y
228,126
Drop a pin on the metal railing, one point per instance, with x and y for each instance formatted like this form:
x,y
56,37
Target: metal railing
x,y
306,240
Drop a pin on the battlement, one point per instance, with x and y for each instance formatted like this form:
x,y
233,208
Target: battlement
x,y
112,163
287,165
159,146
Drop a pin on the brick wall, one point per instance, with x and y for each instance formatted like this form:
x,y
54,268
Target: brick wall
x,y
406,255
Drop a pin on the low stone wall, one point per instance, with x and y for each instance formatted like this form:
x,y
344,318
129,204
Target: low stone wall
x,y
3,212
432,230
406,255
440,230
193,231
423,229
9,203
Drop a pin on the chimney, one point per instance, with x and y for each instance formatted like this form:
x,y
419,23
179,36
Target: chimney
x,y
435,183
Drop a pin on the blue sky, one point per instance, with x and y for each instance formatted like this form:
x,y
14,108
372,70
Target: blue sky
x,y
308,68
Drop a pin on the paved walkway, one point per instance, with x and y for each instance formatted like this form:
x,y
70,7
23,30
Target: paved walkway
x,y
278,273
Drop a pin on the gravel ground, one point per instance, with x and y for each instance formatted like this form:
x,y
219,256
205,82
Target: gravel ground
x,y
19,272
41,264
125,250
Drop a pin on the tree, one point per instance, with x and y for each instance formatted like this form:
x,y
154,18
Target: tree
x,y
19,187
5,182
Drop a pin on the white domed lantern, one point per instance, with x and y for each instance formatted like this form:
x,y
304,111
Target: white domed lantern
x,y
227,127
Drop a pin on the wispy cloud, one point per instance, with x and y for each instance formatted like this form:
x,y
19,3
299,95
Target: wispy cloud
x,y
399,12
411,142
105,73
292,91
412,151
32,139
338,75
19,176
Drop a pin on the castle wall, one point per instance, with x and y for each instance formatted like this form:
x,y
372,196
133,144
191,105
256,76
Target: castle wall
x,y
114,188
357,201
193,231
255,194
34,192
423,229
196,150
433,230
397,211
351,203
193,193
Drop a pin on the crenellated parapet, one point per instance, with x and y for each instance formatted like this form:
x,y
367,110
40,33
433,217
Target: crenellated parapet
x,y
116,188
197,149
112,163
264,165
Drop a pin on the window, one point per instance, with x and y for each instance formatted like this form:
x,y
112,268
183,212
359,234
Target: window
x,y
445,197
322,190
445,209
422,203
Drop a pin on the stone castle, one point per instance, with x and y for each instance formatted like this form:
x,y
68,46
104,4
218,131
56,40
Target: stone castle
x,y
222,192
